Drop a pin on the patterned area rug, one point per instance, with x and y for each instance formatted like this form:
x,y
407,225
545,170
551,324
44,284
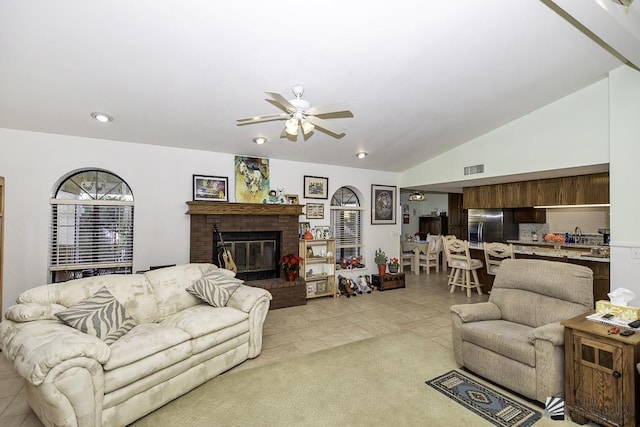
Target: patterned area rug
x,y
489,404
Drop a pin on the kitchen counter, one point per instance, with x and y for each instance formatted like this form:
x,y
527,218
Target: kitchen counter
x,y
599,265
570,250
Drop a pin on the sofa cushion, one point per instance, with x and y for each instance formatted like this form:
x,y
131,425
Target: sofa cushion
x,y
131,290
143,341
502,337
100,315
204,319
132,372
169,286
214,288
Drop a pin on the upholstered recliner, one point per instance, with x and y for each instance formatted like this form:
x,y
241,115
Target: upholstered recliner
x,y
515,339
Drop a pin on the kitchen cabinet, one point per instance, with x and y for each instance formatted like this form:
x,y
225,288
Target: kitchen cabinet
x,y
529,216
457,216
581,189
601,380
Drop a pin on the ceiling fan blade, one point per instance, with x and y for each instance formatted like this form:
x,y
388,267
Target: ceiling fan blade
x,y
258,119
326,125
330,108
282,101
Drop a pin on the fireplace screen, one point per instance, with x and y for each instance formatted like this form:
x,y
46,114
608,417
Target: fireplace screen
x,y
255,254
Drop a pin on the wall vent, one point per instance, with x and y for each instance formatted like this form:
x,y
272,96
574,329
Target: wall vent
x,y
470,170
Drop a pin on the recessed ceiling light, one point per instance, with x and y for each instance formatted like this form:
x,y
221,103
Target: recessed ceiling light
x,y
102,117
362,154
260,140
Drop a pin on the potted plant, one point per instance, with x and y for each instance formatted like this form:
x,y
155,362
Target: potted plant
x,y
380,259
394,265
290,264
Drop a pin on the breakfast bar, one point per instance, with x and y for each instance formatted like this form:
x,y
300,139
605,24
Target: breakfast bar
x,y
571,253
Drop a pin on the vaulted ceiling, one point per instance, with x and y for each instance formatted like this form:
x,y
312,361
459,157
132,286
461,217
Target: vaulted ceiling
x,y
421,76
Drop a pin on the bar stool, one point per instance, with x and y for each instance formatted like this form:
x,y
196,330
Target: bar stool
x,y
495,253
445,254
463,267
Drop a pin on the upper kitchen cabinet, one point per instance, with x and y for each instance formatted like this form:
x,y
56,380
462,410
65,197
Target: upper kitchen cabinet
x,y
585,189
547,193
573,190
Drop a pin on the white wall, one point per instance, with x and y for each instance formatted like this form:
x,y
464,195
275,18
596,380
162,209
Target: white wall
x,y
624,84
571,132
160,177
418,209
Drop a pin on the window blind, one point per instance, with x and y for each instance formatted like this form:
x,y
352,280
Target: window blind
x,y
346,224
91,234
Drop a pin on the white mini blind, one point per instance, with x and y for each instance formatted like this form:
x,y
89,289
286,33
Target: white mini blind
x,y
346,223
91,234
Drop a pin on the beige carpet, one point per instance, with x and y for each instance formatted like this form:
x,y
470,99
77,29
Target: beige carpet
x,y
375,382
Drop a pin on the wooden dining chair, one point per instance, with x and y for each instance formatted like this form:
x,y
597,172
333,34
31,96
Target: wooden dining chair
x,y
432,257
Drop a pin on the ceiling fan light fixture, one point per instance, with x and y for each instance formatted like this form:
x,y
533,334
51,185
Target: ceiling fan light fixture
x,y
306,126
417,197
291,126
260,140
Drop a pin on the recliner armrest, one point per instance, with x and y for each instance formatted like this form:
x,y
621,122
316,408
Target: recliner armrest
x,y
477,312
552,332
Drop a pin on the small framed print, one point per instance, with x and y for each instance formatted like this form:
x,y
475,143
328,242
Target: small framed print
x,y
316,187
315,211
210,188
383,204
292,199
304,227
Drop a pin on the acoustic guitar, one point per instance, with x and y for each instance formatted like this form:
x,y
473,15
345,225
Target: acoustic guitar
x,y
224,256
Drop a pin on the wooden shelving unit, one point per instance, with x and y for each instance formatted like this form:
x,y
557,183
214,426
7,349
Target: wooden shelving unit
x,y
318,268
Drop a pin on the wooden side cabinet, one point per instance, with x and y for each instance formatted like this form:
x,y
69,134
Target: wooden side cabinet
x,y
601,379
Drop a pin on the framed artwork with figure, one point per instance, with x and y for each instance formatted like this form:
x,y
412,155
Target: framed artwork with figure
x,y
210,188
383,204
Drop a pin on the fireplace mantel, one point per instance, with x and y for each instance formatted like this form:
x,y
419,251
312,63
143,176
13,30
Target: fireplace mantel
x,y
221,208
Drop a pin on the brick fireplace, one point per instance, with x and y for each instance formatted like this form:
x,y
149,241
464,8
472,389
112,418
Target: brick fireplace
x,y
248,217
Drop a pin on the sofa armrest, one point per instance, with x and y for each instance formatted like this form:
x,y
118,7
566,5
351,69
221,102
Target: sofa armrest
x,y
552,332
476,312
246,297
30,311
35,348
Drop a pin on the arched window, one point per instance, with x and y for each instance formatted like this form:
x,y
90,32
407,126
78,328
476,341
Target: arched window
x,y
346,223
91,226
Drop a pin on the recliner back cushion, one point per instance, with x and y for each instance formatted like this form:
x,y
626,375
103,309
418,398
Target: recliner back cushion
x,y
537,292
131,290
169,286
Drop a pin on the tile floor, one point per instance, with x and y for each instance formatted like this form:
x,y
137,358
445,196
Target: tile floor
x,y
422,307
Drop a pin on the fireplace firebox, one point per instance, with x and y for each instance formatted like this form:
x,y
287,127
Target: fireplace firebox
x,y
255,253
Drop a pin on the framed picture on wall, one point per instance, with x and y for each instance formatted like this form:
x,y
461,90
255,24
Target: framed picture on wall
x,y
210,188
316,187
383,204
315,211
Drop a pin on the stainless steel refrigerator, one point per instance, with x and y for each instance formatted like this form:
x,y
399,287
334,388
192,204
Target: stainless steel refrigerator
x,y
492,225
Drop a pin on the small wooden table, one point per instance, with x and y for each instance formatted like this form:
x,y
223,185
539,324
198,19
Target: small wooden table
x,y
601,380
387,281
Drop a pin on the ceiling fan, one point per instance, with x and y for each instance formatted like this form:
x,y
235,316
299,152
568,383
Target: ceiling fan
x,y
300,115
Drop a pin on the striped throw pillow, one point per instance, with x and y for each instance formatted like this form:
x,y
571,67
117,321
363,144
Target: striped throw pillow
x,y
100,315
214,292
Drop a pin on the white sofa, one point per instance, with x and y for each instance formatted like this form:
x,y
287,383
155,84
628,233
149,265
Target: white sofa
x,y
179,342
